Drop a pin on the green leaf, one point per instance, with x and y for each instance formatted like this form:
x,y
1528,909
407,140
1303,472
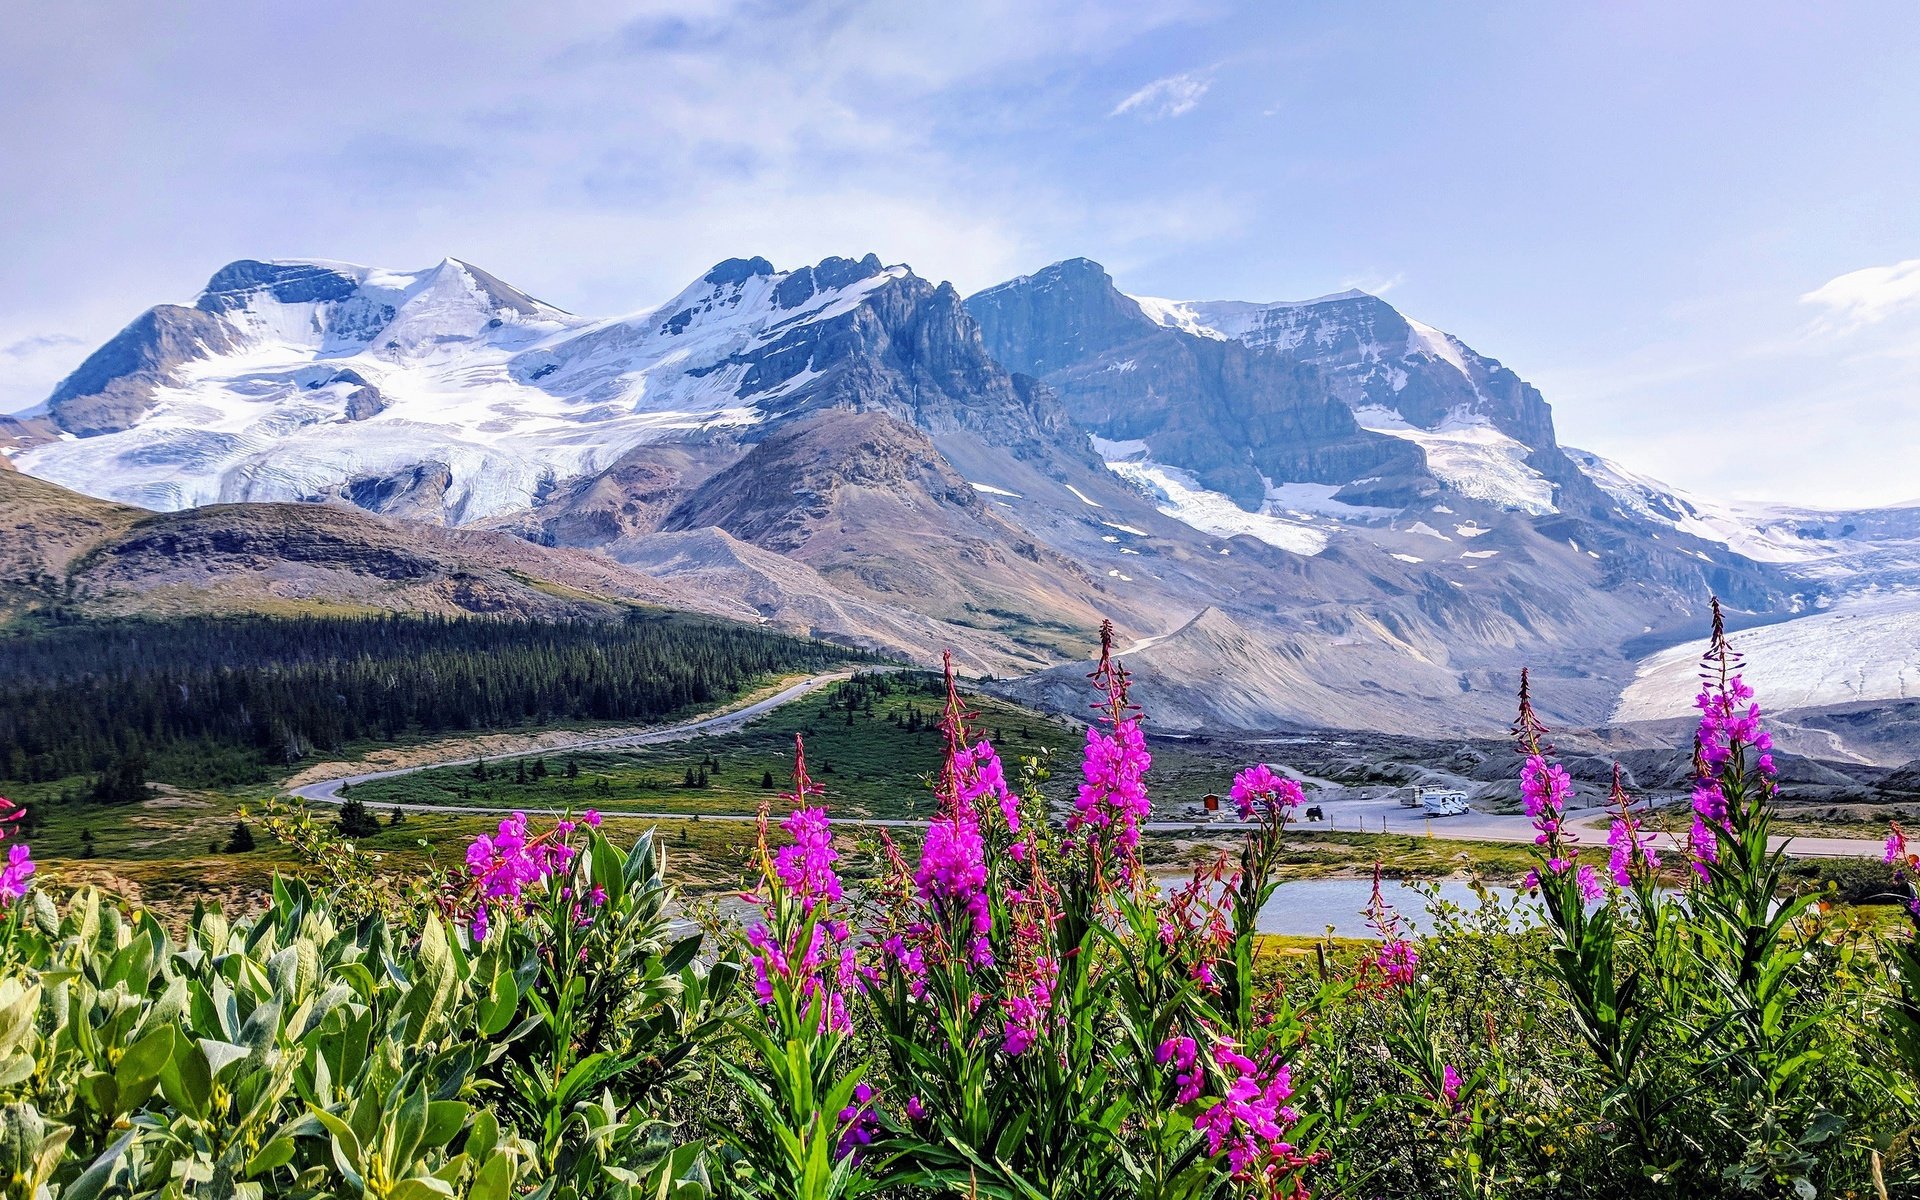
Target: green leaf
x,y
140,1067
501,1002
220,1055
494,1179
444,1121
95,1178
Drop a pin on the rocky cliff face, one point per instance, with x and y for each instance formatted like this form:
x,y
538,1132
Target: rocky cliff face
x,y
1234,417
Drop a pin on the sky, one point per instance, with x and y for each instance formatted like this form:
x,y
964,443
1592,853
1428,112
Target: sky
x,y
1695,227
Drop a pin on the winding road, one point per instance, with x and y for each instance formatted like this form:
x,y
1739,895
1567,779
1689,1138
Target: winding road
x,y
1349,814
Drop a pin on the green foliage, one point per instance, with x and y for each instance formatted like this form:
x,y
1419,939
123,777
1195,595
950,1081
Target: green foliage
x,y
224,700
355,821
297,1053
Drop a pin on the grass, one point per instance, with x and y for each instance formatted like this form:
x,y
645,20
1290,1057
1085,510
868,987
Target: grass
x,y
872,753
169,849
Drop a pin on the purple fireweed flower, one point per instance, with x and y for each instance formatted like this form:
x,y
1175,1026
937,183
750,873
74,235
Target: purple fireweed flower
x,y
1182,1053
1029,1004
1629,850
1588,881
953,872
1450,1085
1261,789
19,869
1249,1122
1545,789
1729,729
857,1125
805,868
1113,797
1112,801
799,944
504,867
19,866
1396,961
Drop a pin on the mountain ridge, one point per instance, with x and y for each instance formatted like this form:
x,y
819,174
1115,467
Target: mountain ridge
x,y
1348,491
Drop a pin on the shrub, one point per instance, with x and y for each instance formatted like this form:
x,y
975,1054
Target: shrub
x,y
1020,1011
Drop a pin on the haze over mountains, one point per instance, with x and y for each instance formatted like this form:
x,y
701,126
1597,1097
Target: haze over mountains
x,y
1307,513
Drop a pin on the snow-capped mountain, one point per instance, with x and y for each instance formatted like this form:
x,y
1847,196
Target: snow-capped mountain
x,y
1483,430
296,380
856,452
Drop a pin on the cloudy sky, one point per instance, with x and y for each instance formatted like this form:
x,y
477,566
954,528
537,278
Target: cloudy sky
x,y
1696,227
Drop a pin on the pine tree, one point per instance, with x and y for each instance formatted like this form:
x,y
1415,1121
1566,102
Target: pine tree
x,y
395,817
86,843
573,769
355,821
520,772
766,780
241,839
689,782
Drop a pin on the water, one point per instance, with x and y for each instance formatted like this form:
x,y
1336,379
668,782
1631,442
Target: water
x,y
1305,907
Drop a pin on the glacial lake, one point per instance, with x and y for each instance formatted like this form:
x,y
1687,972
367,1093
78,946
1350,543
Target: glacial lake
x,y
1306,907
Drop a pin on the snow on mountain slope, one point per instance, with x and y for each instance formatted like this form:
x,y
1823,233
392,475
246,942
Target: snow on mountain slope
x,y
1486,433
1745,529
1468,454
1863,649
303,378
1179,495
1836,552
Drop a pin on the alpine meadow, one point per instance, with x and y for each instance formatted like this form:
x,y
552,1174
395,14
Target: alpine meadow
x,y
698,708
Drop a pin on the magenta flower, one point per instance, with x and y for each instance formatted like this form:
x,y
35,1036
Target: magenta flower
x,y
19,869
800,946
1260,789
1450,1086
505,867
1588,881
1729,729
857,1125
1182,1053
1397,961
805,868
1113,799
1249,1123
953,872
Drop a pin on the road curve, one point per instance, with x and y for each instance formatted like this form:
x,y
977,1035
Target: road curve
x,y
327,791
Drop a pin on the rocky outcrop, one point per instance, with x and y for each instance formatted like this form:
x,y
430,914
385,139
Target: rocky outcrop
x,y
113,388
1232,416
794,478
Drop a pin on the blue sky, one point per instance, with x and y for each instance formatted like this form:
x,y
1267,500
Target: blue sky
x,y
1696,227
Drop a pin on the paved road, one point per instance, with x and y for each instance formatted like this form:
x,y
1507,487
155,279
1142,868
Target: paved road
x,y
1347,813
328,791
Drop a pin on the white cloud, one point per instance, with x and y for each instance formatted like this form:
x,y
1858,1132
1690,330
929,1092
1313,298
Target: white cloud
x,y
1374,285
1869,295
1174,96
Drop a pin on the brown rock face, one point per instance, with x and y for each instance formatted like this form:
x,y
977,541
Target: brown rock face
x,y
800,474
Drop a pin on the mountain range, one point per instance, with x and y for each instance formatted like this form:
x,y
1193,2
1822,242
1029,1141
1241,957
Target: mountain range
x,y
1313,513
